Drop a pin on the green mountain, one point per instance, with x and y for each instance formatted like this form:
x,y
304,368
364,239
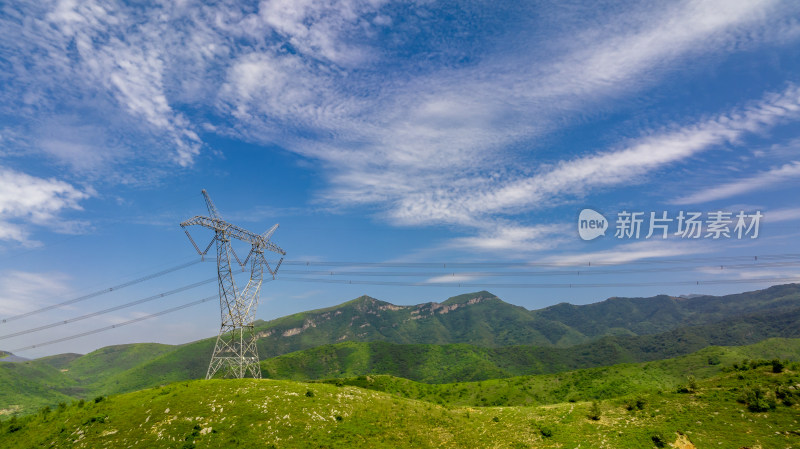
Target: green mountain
x,y
484,338
477,318
485,320
641,316
760,405
461,363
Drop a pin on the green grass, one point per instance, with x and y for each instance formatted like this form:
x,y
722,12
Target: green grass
x,y
27,386
462,363
286,414
582,385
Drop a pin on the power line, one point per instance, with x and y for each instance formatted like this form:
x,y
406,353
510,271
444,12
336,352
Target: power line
x,y
124,323
756,262
104,291
550,285
588,271
110,309
105,224
587,263
114,326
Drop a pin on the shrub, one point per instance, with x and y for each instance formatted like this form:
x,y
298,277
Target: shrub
x,y
756,400
692,383
785,394
309,394
98,418
636,404
658,440
690,387
777,366
98,399
594,412
13,425
546,432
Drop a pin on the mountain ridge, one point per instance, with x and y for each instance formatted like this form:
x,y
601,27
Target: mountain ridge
x,y
615,330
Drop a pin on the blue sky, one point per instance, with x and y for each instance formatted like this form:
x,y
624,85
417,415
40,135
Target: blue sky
x,y
410,134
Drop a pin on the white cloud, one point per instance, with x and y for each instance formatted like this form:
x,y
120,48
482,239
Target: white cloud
x,y
450,278
428,143
630,252
316,27
778,215
28,199
762,181
431,150
752,272
464,202
512,238
22,292
650,39
128,64
108,63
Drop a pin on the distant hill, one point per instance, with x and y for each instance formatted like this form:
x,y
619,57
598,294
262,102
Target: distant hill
x,y
485,320
468,337
9,357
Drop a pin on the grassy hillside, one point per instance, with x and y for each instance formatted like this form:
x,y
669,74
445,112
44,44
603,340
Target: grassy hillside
x,y
752,408
29,385
26,386
586,384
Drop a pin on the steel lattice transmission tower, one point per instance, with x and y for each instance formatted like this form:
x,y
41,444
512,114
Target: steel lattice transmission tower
x,y
235,353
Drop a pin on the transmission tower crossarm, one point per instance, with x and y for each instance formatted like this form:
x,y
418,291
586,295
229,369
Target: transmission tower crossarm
x,y
234,231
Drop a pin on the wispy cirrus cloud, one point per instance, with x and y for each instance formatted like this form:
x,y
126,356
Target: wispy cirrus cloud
x,y
761,181
631,252
510,238
431,138
466,203
22,291
439,156
778,215
101,61
451,278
